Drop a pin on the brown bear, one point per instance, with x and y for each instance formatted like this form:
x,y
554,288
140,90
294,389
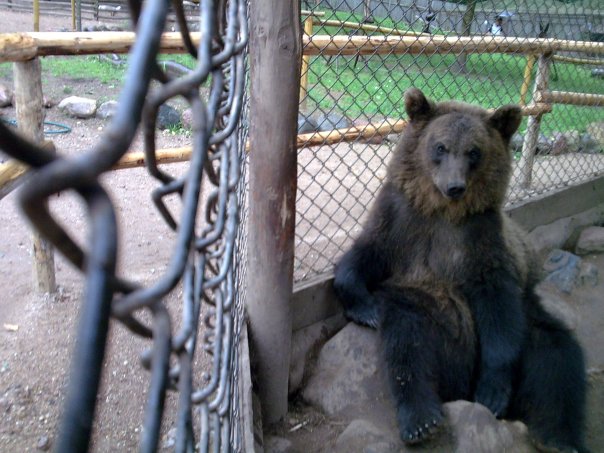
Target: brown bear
x,y
448,280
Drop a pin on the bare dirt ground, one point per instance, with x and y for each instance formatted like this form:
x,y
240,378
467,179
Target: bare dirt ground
x,y
37,331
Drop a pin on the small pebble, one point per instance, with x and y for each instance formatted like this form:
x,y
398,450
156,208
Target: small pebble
x,y
43,443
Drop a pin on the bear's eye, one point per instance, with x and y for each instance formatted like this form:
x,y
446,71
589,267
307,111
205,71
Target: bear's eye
x,y
474,156
440,149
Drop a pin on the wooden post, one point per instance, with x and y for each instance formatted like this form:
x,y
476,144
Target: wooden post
x,y
466,30
308,23
36,15
30,118
78,4
528,70
73,15
275,60
529,145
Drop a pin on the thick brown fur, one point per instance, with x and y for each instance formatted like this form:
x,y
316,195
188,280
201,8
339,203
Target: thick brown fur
x,y
407,169
448,279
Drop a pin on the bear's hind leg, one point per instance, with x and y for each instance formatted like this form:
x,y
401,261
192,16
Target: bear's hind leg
x,y
550,397
413,345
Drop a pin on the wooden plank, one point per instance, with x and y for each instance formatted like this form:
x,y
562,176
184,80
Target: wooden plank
x,y
246,399
579,61
366,27
24,46
570,98
135,159
30,117
82,43
17,47
11,172
526,80
429,45
274,43
308,26
529,145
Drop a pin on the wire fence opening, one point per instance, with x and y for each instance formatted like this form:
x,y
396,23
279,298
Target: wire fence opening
x,y
361,55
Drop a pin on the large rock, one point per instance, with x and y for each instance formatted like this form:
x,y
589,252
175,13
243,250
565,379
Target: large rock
x,y
48,102
475,429
564,233
187,119
544,145
107,110
78,107
361,434
550,236
6,96
562,269
591,240
275,444
588,275
348,372
167,117
516,142
306,124
596,130
305,345
470,428
588,145
331,121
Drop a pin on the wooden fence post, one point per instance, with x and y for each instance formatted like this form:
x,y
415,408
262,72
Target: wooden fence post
x,y
308,25
30,119
528,70
78,5
531,138
275,60
36,15
73,15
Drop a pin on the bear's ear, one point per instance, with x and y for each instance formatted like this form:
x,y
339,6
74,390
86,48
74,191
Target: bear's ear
x,y
416,105
506,120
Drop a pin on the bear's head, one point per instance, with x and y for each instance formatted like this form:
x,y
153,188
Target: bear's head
x,y
453,158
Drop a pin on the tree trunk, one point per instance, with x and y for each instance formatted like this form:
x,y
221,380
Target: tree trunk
x,y
466,29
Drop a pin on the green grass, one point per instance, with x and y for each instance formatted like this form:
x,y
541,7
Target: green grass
x,y
88,67
92,67
6,70
376,85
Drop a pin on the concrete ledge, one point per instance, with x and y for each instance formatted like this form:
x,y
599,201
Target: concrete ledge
x,y
557,205
314,301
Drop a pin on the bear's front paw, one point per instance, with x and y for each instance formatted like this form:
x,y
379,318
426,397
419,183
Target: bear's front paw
x,y
419,424
494,392
365,315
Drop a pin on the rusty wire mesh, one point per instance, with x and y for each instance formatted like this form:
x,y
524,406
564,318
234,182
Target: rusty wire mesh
x,y
338,181
203,257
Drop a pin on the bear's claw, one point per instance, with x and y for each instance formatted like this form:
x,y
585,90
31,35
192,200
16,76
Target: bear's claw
x,y
415,431
365,315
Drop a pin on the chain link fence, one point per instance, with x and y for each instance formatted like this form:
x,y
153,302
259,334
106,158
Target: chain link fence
x,y
475,51
209,251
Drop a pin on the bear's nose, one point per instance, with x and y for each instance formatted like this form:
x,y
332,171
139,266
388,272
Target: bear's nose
x,y
456,190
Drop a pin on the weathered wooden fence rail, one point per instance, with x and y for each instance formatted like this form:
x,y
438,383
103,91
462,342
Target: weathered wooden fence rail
x,y
25,46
